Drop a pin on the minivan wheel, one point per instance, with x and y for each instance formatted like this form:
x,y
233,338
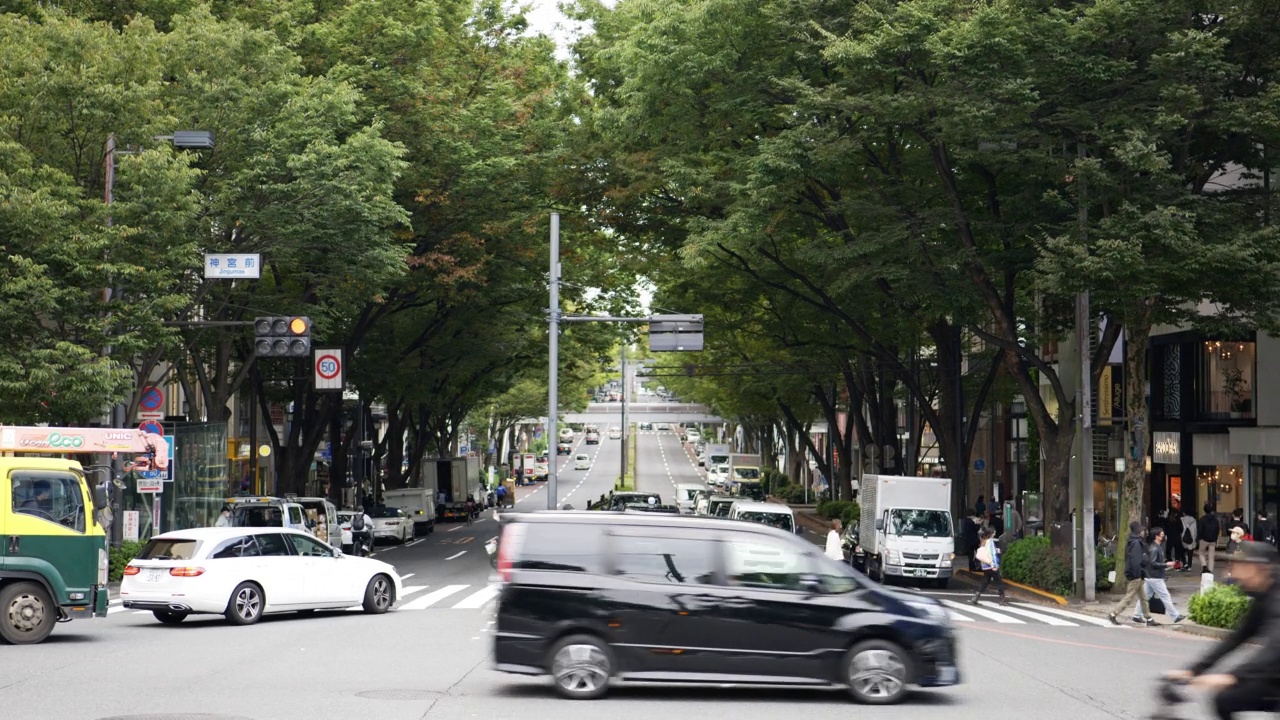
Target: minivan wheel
x,y
876,672
581,667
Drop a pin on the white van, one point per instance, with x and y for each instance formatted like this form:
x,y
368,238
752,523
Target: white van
x,y
692,436
566,434
765,513
687,495
582,461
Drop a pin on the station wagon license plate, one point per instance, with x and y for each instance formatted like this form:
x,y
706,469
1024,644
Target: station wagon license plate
x,y
154,575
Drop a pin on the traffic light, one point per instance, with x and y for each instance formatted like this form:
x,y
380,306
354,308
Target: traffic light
x,y
282,336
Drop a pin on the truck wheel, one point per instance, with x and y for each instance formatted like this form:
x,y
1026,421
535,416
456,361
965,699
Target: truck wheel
x,y
28,613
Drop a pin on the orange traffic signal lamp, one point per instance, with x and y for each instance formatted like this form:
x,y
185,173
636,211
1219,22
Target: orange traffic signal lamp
x,y
286,336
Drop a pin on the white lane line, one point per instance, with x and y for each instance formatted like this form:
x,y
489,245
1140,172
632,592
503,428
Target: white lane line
x,y
1100,622
982,612
411,543
958,617
455,557
432,598
115,609
477,599
406,577
460,527
408,590
1046,619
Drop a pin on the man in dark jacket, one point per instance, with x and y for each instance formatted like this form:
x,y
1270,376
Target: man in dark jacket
x,y
1253,686
1135,570
1264,529
1209,530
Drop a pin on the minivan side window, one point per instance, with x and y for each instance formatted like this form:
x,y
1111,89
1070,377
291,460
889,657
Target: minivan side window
x,y
562,547
675,559
764,562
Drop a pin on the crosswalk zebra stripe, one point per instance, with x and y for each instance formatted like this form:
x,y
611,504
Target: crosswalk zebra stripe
x,y
958,617
1079,617
982,612
477,599
1046,619
432,598
408,590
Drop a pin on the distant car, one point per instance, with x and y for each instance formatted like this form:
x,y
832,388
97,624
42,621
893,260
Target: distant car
x,y
582,461
615,433
541,469
564,448
646,426
661,427
718,475
592,438
243,573
344,521
392,524
620,500
566,434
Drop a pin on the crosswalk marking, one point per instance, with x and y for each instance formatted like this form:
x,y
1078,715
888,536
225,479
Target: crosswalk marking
x,y
408,590
1078,617
958,617
477,599
983,612
433,597
1046,619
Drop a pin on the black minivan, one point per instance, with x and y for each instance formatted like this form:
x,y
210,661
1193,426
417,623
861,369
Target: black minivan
x,y
644,597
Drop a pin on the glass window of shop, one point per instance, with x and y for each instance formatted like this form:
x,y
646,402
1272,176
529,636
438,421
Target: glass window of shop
x,y
1222,486
1264,479
198,489
1226,380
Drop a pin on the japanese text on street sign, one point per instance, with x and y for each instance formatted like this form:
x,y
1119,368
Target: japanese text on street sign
x,y
225,265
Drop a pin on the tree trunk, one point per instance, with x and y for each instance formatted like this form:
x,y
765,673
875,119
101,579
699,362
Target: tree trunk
x,y
1132,495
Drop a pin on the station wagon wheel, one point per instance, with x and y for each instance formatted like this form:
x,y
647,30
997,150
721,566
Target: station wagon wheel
x,y
876,672
246,604
27,613
378,595
581,666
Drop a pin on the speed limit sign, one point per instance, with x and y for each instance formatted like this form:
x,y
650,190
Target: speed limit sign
x,y
328,370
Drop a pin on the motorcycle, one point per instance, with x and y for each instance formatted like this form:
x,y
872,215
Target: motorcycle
x,y
362,546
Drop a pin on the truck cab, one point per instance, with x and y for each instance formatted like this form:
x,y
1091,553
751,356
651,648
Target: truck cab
x,y
53,560
907,531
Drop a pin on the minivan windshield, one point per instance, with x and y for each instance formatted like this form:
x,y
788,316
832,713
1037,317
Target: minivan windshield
x,y
921,523
782,521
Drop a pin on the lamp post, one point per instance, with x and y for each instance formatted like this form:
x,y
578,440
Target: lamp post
x,y
183,140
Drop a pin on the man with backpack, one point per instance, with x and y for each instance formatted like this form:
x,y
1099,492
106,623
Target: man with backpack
x,y
1264,530
361,532
1135,573
1209,530
1188,540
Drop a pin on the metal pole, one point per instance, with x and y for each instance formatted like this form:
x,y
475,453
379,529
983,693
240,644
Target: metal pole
x,y
553,362
623,473
118,410
1084,332
255,485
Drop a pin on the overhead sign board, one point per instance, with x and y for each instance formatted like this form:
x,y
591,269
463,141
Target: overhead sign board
x,y
328,369
675,333
233,266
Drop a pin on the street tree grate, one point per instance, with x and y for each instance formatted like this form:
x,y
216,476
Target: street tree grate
x,y
399,694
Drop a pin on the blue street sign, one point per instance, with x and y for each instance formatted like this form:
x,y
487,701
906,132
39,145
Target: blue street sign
x,y
165,475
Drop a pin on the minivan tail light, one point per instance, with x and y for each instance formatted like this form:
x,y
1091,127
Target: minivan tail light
x,y
187,571
507,550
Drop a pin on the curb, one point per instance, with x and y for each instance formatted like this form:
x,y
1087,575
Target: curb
x,y
971,575
1200,630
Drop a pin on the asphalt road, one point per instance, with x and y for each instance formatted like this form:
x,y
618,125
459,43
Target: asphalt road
x,y
428,658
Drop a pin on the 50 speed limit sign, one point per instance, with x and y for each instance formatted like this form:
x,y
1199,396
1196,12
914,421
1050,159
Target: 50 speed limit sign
x,y
328,370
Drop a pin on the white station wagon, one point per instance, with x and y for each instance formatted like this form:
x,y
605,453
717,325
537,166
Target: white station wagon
x,y
244,573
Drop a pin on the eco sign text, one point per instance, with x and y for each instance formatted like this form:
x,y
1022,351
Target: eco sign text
x,y
55,440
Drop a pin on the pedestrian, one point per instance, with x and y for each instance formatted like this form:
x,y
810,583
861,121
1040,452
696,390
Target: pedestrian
x,y
1189,535
1237,530
1135,571
835,549
1173,530
1155,585
224,517
502,496
1251,685
1264,529
1209,530
988,555
969,528
981,505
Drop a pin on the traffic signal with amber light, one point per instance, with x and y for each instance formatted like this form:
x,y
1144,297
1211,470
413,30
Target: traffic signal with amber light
x,y
282,336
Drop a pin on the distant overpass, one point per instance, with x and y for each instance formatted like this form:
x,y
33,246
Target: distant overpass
x,y
607,414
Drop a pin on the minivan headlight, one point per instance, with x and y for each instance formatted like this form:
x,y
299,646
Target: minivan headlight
x,y
929,610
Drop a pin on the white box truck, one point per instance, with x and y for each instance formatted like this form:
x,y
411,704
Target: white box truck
x,y
419,503
715,455
906,530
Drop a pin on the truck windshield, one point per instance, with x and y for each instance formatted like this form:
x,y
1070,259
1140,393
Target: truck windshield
x,y
257,516
921,523
747,473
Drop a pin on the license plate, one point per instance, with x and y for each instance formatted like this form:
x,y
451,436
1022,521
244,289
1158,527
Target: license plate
x,y
154,575
920,572
948,675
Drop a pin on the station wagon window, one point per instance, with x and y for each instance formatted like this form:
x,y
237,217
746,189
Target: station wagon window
x,y
272,545
306,546
235,548
665,559
766,563
169,549
51,496
563,547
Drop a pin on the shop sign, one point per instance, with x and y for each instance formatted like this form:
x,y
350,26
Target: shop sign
x,y
1166,447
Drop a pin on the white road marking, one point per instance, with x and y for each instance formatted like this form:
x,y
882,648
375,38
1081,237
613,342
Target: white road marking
x,y
406,577
411,543
1100,622
1046,619
432,598
983,612
408,590
478,599
454,557
460,527
958,617
115,609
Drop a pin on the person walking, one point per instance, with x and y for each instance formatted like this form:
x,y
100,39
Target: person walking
x,y
1264,529
835,549
1209,530
1190,537
1155,586
1135,571
988,555
1237,531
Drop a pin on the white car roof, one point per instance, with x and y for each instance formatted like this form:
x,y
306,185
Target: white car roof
x,y
753,506
692,486
220,533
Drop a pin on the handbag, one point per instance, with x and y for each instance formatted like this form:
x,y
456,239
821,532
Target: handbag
x,y
984,555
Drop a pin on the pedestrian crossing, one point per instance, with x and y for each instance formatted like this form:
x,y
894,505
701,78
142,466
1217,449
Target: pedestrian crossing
x,y
412,597
1018,613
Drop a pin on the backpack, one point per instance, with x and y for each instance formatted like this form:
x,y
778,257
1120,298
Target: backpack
x,y
1188,532
357,522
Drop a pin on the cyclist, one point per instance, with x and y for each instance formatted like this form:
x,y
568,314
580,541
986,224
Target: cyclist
x,y
1253,686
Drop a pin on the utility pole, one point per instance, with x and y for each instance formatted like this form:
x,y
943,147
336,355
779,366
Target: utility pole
x,y
116,500
622,474
1084,333
553,369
